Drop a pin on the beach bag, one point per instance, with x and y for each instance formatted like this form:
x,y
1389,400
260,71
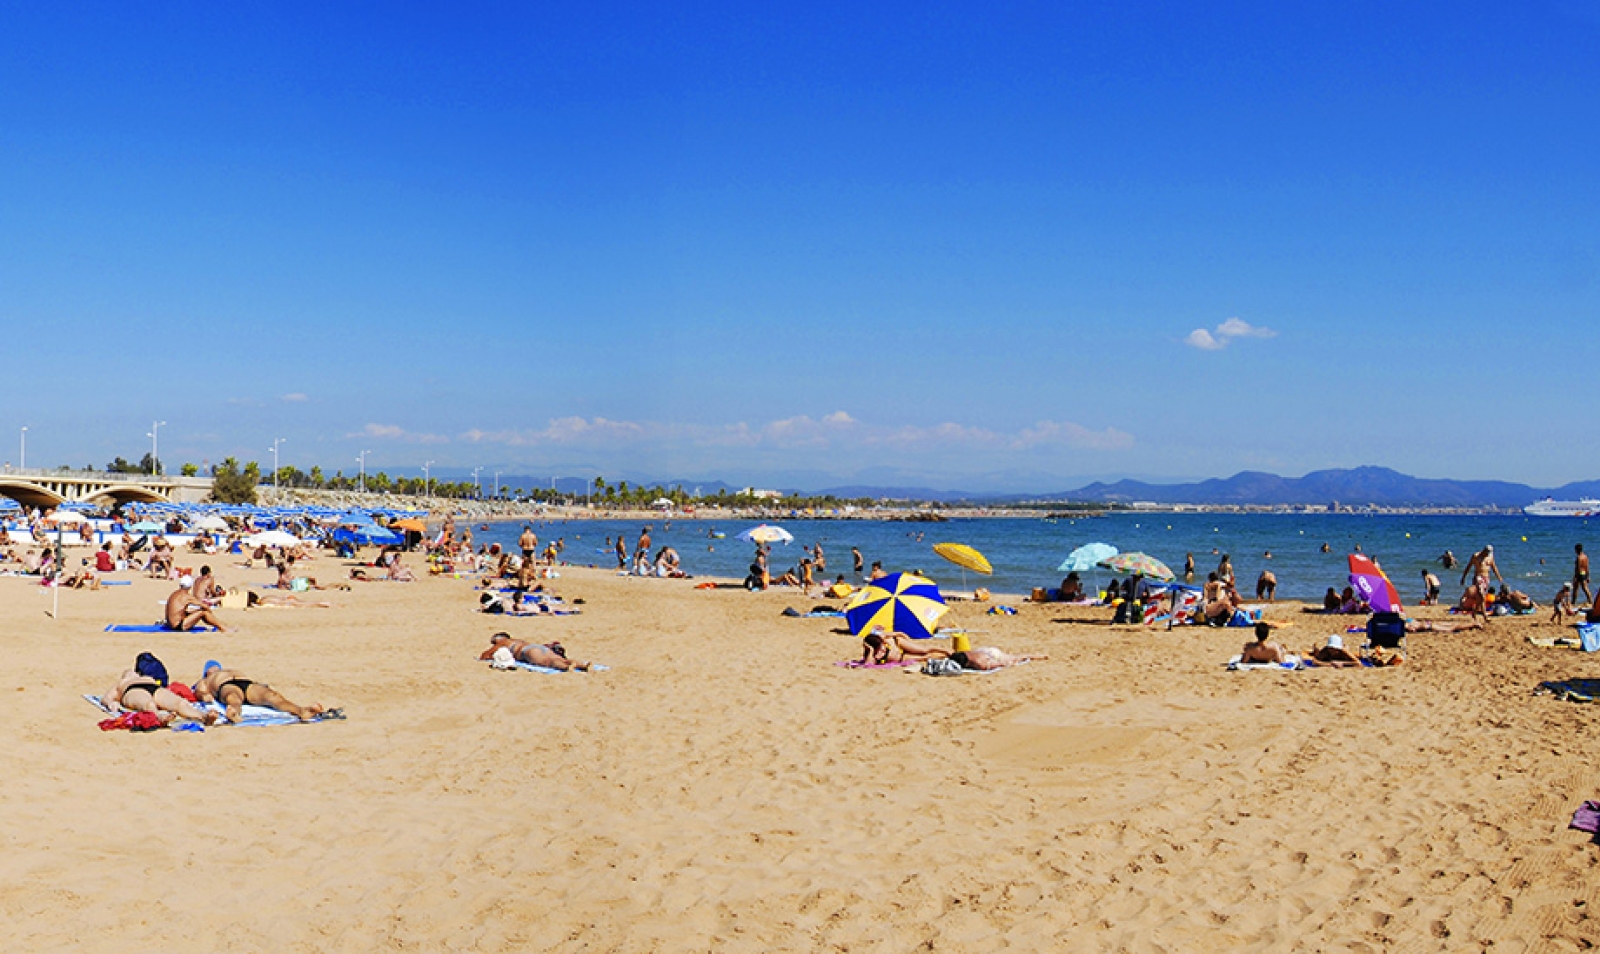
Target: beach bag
x,y
941,667
1386,630
235,599
148,665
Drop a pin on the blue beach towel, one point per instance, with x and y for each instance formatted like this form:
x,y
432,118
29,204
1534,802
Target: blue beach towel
x,y
530,667
248,715
153,628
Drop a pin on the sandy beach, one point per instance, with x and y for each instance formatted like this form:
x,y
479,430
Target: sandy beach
x,y
726,787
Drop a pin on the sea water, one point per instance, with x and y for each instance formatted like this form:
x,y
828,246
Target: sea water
x,y
1533,553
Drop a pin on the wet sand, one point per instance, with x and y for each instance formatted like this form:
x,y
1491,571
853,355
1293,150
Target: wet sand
x,y
726,787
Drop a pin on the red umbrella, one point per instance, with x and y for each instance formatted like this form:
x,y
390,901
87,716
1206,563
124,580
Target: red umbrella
x,y
1373,584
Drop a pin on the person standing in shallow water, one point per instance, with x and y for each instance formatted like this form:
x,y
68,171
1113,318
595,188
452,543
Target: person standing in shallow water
x,y
1580,573
1188,568
861,561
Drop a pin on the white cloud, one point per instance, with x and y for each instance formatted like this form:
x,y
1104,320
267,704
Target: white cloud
x,y
394,432
837,430
1068,434
1238,328
1227,331
295,397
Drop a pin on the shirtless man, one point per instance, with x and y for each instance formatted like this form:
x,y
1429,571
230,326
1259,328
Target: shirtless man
x,y
1266,586
1580,573
205,587
1480,567
231,688
1433,586
184,612
137,692
1262,651
550,656
1516,599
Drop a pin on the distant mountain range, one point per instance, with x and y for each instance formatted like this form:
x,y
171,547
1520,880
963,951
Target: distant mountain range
x,y
1359,486
1354,487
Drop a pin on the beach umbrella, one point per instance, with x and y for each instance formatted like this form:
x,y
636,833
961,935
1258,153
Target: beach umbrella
x,y
1373,584
1087,557
272,538
661,502
965,557
1143,564
66,516
767,533
410,523
900,602
148,526
211,522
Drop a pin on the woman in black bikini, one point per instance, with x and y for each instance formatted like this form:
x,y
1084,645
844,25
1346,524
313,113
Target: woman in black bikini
x,y
137,692
234,690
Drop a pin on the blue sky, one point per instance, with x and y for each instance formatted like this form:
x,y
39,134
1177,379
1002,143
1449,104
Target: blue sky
x,y
966,245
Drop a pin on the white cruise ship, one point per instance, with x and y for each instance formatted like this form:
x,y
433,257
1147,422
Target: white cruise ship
x,y
1548,507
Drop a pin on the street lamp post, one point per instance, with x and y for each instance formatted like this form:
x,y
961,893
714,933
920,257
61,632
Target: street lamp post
x,y
22,457
155,453
427,479
497,485
363,461
477,485
275,442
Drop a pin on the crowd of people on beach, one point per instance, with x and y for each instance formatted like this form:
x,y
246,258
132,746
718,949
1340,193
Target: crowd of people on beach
x,y
518,582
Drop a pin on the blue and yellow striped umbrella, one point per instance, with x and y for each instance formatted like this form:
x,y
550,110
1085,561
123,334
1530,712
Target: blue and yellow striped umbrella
x,y
900,603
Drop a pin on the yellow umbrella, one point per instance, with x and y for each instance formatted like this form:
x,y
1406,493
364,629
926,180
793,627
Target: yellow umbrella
x,y
410,523
964,556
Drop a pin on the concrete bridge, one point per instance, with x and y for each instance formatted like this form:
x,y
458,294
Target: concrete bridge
x,y
48,488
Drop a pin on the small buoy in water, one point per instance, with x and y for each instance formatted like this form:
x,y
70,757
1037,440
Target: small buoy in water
x,y
1524,539
1408,536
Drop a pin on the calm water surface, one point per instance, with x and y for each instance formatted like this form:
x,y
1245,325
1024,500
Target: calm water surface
x,y
1534,553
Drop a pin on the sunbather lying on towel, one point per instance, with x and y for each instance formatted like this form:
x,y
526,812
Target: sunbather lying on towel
x,y
985,658
184,612
137,692
879,647
1262,651
234,690
1438,626
549,655
1332,653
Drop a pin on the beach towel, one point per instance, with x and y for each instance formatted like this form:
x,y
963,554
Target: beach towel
x,y
153,628
793,613
1571,690
858,664
1587,818
248,715
1556,642
530,667
1237,664
1589,635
